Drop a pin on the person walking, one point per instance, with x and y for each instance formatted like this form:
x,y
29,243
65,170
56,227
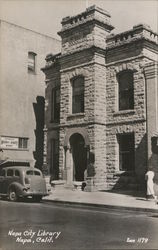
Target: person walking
x,y
149,176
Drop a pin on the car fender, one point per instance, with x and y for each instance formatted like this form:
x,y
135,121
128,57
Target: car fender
x,y
18,188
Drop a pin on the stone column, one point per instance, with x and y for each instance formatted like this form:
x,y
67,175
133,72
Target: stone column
x,y
69,166
88,153
90,185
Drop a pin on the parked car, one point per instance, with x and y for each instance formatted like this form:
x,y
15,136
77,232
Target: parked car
x,y
16,182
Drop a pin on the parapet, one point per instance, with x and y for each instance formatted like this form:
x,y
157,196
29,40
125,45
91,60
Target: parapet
x,y
140,31
92,13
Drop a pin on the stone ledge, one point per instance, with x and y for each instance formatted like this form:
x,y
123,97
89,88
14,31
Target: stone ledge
x,y
124,112
77,115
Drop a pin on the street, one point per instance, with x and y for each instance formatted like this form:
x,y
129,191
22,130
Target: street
x,y
45,225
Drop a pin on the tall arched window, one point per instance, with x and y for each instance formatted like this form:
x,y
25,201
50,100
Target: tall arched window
x,y
78,95
126,90
55,107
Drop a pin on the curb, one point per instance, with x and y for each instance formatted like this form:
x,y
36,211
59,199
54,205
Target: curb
x,y
94,205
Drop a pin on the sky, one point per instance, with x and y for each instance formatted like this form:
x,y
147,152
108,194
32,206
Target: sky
x,y
45,16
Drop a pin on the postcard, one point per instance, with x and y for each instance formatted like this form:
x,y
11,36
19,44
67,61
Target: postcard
x,y
78,124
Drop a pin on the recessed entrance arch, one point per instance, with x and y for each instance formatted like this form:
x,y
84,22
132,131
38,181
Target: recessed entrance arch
x,y
79,156
77,146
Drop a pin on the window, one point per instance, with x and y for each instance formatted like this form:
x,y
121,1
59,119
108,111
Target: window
x,y
17,173
78,95
31,62
126,152
2,172
54,170
37,173
30,172
23,143
10,172
55,109
126,91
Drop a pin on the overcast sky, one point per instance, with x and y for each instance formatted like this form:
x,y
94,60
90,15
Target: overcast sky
x,y
45,16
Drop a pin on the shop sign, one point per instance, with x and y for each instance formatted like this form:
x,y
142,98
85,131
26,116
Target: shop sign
x,y
9,142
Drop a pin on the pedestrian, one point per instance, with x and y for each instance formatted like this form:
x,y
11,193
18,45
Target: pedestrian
x,y
149,176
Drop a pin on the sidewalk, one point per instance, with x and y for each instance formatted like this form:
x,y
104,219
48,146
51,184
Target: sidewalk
x,y
105,199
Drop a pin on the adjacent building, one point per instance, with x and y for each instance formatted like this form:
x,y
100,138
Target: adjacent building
x,y
101,109
22,88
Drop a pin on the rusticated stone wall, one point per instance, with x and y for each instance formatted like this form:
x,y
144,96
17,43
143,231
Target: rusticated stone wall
x,y
94,117
127,121
88,52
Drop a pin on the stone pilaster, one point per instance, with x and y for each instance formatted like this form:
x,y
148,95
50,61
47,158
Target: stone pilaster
x,y
151,83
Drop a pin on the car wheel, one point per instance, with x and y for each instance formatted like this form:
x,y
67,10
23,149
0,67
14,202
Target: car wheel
x,y
12,195
37,198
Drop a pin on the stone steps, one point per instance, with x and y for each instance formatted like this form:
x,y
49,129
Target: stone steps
x,y
60,184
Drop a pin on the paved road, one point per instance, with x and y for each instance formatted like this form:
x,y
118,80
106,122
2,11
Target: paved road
x,y
27,225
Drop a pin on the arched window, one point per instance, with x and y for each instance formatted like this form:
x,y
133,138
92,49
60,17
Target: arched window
x,y
78,95
126,90
31,62
55,107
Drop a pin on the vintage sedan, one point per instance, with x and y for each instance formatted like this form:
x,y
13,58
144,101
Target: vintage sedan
x,y
16,182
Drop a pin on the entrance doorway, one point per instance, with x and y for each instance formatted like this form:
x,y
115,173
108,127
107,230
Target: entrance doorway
x,y
79,156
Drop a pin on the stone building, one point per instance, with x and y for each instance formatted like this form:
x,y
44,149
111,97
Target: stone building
x,y
22,88
101,103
